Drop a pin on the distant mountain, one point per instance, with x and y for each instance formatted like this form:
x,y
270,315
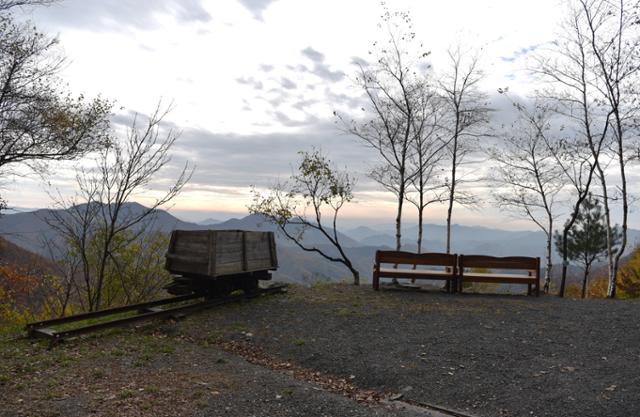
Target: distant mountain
x,y
208,221
29,230
259,223
362,232
467,239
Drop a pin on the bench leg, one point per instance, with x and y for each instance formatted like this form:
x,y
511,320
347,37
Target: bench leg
x,y
448,287
459,284
376,281
528,289
538,290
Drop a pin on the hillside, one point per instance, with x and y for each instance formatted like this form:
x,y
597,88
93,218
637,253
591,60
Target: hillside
x,y
25,260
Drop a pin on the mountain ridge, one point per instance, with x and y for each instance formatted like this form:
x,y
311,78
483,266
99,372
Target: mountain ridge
x,y
29,229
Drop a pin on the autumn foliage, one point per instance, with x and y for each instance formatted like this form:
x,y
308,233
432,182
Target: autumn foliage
x,y
24,295
628,279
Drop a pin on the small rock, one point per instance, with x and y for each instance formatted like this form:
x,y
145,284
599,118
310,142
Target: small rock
x,y
278,397
396,397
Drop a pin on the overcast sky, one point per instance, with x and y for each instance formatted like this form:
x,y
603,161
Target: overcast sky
x,y
255,81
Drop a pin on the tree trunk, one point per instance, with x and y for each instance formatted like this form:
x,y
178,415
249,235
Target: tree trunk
x,y
452,192
399,216
356,275
565,259
549,253
584,281
611,291
420,214
607,215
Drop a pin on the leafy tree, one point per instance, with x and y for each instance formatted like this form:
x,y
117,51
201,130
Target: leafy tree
x,y
39,121
629,276
587,238
25,295
319,187
628,279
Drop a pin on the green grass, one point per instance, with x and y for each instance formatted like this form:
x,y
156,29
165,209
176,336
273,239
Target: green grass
x,y
124,394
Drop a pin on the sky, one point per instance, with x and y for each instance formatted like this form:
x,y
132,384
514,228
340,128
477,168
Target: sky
x,y
252,82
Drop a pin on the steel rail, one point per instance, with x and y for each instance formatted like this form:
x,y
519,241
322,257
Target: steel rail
x,y
39,329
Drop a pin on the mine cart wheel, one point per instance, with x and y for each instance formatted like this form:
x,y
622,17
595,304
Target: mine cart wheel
x,y
248,283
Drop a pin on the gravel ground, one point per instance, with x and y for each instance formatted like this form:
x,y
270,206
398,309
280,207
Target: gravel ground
x,y
484,355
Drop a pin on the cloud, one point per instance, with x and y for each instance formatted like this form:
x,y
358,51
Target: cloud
x,y
356,60
520,52
250,81
288,84
312,54
232,160
256,7
323,71
319,69
114,14
289,122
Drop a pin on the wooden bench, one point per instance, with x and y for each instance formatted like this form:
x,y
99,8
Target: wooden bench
x,y
446,262
519,263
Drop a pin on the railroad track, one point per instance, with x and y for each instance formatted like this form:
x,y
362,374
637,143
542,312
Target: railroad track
x,y
144,311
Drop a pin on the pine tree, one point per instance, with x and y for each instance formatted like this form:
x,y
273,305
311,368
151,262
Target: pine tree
x,y
587,238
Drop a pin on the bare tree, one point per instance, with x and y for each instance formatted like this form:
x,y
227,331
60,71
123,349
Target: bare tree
x,y
426,186
394,91
613,46
527,177
98,222
467,116
575,91
319,187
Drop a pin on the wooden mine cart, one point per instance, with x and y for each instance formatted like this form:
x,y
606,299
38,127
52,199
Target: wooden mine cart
x,y
217,262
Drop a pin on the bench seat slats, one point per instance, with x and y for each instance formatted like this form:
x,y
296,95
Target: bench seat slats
x,y
448,263
529,266
498,278
414,273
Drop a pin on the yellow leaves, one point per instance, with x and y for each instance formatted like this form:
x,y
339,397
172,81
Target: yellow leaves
x,y
24,296
628,283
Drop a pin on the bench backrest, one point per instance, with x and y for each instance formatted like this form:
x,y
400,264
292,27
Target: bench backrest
x,y
508,262
410,258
